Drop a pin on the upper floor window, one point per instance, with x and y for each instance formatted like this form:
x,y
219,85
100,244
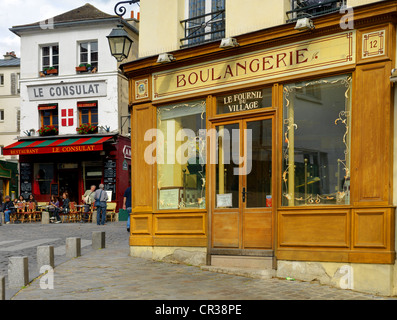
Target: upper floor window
x,y
1,115
206,22
1,79
88,56
311,8
50,60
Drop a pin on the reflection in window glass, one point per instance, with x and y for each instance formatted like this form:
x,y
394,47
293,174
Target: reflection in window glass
x,y
43,177
181,170
316,165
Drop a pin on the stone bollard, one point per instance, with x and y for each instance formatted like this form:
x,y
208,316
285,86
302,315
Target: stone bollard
x,y
45,217
73,247
45,257
94,217
18,272
98,240
2,288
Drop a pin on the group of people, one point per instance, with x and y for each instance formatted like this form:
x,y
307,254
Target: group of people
x,y
97,197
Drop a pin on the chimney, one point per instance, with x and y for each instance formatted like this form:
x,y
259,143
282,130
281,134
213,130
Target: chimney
x,y
10,55
132,14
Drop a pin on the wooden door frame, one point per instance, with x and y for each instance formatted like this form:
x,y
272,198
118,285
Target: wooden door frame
x,y
242,119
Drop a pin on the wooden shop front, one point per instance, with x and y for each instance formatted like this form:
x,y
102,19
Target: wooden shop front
x,y
281,147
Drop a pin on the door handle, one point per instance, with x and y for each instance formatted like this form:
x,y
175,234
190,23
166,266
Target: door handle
x,y
244,194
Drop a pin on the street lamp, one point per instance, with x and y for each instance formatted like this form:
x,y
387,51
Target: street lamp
x,y
120,43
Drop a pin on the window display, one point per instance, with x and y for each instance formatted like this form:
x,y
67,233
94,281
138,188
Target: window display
x,y
181,170
316,148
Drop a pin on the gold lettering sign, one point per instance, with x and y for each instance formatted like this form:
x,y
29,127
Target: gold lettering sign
x,y
311,55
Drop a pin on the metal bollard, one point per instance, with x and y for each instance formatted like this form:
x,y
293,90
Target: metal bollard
x,y
45,257
98,240
73,247
18,272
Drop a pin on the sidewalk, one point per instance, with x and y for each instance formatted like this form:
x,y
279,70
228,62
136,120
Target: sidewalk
x,y
111,274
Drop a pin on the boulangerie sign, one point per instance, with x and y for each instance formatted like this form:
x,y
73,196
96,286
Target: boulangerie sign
x,y
296,58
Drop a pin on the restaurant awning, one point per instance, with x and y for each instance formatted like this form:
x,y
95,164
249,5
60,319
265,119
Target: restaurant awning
x,y
33,147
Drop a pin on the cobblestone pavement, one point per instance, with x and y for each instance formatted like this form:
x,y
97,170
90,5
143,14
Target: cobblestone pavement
x,y
111,274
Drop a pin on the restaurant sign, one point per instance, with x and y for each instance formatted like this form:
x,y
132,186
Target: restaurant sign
x,y
55,150
310,55
67,91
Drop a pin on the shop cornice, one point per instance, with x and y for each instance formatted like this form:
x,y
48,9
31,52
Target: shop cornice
x,y
386,12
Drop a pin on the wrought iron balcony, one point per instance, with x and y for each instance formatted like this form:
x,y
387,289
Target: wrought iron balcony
x,y
313,8
204,28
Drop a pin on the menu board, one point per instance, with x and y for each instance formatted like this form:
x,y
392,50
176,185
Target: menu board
x,y
110,176
26,174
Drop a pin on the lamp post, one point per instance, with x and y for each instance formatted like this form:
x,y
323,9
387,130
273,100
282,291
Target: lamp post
x,y
120,43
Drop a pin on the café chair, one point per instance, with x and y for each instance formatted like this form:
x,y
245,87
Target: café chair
x,y
31,211
111,210
72,212
19,215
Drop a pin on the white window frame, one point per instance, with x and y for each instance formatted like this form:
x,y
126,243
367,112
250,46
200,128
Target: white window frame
x,y
89,53
51,56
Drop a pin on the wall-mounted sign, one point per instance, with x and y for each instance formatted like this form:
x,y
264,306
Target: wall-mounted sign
x,y
142,89
309,55
68,91
244,101
373,44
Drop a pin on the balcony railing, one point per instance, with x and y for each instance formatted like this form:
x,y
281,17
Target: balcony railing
x,y
204,28
313,8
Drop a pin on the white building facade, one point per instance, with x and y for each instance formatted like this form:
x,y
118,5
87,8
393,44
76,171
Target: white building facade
x,y
71,91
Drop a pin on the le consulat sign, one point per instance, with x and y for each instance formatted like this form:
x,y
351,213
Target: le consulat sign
x,y
67,90
310,55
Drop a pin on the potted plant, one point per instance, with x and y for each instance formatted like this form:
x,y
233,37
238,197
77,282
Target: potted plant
x,y
81,68
87,128
50,70
48,131
84,67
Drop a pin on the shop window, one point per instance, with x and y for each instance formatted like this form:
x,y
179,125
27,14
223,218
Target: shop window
x,y
181,155
316,163
50,60
89,55
43,177
244,101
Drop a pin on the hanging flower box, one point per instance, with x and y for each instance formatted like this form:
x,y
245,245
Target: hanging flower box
x,y
48,131
49,71
84,67
87,128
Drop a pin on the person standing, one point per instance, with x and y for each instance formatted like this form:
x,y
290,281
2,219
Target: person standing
x,y
127,205
88,199
101,197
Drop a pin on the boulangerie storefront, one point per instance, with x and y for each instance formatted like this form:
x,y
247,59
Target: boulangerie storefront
x,y
287,149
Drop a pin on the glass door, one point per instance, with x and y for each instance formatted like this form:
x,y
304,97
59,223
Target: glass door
x,y
242,197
